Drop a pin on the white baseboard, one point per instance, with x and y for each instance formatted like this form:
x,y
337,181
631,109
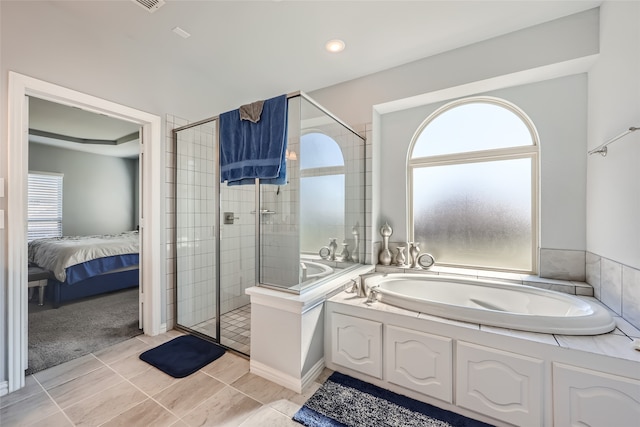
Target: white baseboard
x,y
286,380
313,373
4,388
276,376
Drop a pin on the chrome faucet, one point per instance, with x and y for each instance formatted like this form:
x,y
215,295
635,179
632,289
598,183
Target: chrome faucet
x,y
364,288
303,272
373,291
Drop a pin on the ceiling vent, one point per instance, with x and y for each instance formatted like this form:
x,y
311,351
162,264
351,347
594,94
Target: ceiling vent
x,y
150,5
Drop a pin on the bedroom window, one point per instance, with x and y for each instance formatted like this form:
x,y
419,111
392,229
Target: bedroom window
x,y
44,206
472,186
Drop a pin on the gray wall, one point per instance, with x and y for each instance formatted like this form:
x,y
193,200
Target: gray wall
x,y
558,109
99,192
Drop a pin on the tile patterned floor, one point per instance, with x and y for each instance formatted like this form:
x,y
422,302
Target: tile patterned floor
x,y
235,329
113,387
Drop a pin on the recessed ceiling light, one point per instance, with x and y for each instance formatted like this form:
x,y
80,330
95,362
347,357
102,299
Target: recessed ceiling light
x,y
335,46
182,33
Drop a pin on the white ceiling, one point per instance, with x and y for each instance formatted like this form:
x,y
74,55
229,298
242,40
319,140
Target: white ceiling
x,y
73,123
257,48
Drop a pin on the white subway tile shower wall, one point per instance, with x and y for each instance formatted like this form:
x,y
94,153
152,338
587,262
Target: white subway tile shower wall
x,y
237,246
237,270
196,258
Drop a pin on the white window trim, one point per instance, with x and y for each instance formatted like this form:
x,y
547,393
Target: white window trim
x,y
519,152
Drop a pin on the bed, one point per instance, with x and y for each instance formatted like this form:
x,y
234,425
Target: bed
x,y
84,266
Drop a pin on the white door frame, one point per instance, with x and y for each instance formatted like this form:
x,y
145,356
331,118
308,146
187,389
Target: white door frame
x,y
151,211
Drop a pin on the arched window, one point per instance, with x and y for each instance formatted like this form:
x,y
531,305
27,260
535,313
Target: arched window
x,y
322,191
473,186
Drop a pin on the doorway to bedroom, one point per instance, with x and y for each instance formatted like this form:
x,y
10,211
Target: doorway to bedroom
x,y
152,264
82,194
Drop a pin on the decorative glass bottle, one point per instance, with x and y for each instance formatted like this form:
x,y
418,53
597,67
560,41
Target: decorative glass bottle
x,y
384,257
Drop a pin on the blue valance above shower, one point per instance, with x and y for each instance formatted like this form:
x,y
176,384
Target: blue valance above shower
x,y
250,150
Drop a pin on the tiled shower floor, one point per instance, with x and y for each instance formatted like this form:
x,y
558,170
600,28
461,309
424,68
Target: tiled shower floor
x,y
235,329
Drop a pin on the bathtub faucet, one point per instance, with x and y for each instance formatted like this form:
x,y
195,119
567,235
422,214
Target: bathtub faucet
x,y
364,282
373,291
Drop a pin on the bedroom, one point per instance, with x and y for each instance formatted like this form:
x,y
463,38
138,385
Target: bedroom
x,y
96,158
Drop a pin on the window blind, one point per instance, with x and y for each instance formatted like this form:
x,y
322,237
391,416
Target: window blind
x,y
44,215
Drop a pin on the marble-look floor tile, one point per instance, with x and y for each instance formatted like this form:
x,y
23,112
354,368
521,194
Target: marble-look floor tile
x,y
227,368
290,402
28,411
131,366
183,396
227,408
269,417
80,388
260,389
324,375
147,413
153,381
57,375
121,350
30,388
105,405
160,339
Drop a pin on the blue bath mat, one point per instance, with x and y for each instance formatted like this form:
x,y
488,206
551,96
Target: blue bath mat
x,y
343,401
182,356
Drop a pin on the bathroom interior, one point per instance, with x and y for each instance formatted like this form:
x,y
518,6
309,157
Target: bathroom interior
x,y
274,259
294,276
253,266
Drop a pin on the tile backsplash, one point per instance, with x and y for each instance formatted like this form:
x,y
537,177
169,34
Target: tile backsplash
x,y
616,285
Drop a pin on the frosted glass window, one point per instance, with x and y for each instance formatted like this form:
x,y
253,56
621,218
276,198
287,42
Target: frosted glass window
x,y
476,207
475,214
318,150
322,207
472,127
322,191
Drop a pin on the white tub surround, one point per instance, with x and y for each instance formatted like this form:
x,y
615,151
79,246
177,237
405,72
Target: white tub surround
x,y
287,331
493,303
500,376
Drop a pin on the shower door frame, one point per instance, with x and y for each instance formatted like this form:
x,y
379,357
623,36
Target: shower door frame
x,y
216,118
216,233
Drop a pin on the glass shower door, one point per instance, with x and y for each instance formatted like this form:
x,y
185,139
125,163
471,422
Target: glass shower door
x,y
196,216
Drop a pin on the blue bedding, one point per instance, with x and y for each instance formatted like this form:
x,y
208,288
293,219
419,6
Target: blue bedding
x,y
79,272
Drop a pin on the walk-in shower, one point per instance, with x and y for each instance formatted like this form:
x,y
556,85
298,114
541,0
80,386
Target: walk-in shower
x,y
289,237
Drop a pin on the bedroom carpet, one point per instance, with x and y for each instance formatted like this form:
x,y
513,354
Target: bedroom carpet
x,y
78,328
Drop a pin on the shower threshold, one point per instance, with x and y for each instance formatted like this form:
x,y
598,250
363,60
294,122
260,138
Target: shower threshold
x,y
235,329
